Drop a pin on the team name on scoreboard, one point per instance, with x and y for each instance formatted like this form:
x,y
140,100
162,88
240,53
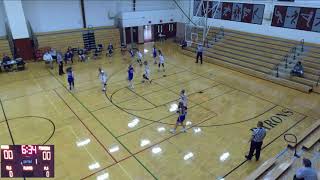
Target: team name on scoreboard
x,y
27,161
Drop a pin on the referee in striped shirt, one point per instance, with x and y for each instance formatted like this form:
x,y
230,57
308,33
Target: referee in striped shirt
x,y
258,135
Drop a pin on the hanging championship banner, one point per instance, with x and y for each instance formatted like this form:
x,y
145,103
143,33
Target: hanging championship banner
x,y
302,18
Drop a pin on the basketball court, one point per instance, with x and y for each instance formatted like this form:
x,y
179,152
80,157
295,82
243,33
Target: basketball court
x,y
124,133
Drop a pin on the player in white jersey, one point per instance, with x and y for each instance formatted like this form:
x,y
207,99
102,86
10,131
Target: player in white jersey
x,y
139,54
161,61
103,78
146,75
183,99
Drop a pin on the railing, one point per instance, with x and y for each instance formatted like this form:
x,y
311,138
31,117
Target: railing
x,y
292,53
295,141
277,69
222,30
302,45
318,81
217,36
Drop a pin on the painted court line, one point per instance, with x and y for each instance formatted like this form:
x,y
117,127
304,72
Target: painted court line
x,y
239,165
101,144
104,128
5,116
157,121
153,145
243,90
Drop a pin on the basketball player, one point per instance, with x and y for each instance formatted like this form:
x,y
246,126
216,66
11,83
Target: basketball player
x,y
226,11
110,50
182,116
255,13
317,22
183,98
139,58
131,52
154,54
146,75
130,76
293,17
279,16
307,17
70,78
246,12
103,78
161,61
236,12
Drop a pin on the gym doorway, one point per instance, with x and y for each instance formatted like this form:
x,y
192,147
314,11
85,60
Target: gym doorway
x,y
147,33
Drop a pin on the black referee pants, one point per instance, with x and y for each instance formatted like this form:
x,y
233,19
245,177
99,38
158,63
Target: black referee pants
x,y
255,146
199,55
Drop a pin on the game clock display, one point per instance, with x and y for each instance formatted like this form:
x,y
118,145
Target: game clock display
x,y
27,161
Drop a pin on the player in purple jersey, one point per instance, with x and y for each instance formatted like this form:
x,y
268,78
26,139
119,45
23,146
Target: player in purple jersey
x,y
70,78
154,54
182,116
130,76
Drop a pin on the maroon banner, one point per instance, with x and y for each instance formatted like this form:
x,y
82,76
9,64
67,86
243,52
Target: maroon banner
x,y
247,13
226,13
306,18
279,15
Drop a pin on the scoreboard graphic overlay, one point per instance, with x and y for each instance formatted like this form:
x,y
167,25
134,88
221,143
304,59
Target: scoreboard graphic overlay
x,y
302,18
27,161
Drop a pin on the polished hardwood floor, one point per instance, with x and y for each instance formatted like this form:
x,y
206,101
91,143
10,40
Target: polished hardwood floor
x,y
125,132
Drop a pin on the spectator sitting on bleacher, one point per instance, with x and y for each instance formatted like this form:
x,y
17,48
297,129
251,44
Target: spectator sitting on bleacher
x,y
68,57
96,52
82,56
48,59
183,44
110,49
53,53
5,60
70,50
306,172
297,70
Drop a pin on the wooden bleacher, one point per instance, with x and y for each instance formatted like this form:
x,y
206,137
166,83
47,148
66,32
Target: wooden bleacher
x,y
309,142
61,40
105,36
278,166
262,169
258,55
279,49
4,47
304,134
279,170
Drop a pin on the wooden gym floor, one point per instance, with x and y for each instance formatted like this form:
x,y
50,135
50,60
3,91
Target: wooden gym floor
x,y
223,106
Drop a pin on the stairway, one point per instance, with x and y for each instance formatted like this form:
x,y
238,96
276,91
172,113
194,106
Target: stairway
x,y
89,41
289,61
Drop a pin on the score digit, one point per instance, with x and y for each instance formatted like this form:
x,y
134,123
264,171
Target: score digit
x,y
46,155
33,149
8,154
24,150
10,174
28,149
